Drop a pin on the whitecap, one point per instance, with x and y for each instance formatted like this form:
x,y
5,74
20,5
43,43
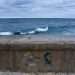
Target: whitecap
x,y
31,32
42,29
6,33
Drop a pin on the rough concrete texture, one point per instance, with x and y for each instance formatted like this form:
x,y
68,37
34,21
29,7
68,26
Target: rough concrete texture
x,y
49,73
37,58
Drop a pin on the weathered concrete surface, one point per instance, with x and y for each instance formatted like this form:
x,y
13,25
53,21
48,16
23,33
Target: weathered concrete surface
x,y
48,73
21,55
31,58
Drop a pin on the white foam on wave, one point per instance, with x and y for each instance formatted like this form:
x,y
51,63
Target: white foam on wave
x,y
23,33
31,32
39,30
6,33
42,29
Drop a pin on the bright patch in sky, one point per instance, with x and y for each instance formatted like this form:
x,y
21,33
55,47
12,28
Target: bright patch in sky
x,y
37,8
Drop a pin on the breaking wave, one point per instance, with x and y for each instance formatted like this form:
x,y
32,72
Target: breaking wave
x,y
32,32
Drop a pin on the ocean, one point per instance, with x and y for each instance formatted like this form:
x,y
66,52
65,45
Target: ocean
x,y
37,26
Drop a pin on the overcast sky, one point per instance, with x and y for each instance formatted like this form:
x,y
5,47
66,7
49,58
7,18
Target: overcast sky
x,y
37,8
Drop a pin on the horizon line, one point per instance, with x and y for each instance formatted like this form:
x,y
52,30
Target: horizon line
x,y
33,18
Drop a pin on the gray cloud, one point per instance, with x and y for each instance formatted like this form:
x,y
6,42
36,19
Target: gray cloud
x,y
37,8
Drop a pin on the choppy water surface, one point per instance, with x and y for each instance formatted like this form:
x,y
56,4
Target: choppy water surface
x,y
36,26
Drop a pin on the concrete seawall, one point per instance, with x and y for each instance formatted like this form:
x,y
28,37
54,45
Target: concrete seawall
x,y
36,56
